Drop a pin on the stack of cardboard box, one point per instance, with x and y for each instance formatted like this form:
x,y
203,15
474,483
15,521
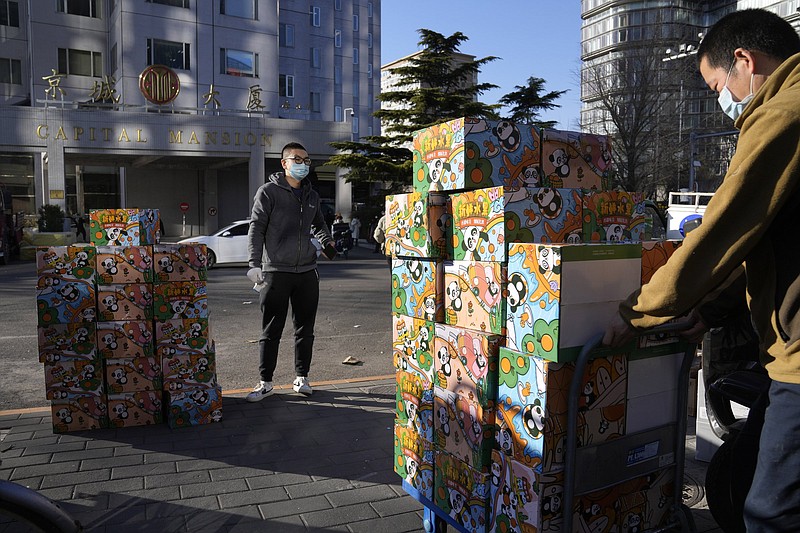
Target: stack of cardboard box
x,y
112,315
511,254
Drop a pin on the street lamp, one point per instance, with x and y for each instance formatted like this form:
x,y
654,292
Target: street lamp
x,y
683,51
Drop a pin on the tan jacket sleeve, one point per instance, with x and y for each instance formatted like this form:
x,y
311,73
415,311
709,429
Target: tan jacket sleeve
x,y
760,179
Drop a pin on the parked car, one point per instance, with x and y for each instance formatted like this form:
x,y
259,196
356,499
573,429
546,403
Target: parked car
x,y
228,245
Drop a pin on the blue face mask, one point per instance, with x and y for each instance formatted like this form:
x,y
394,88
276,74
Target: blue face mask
x,y
729,106
298,170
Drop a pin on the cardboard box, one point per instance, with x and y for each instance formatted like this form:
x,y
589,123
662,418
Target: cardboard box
x,y
189,371
183,336
414,401
417,225
68,377
417,288
532,406
655,255
471,153
463,428
559,296
180,299
65,301
67,341
129,301
575,160
124,264
180,262
646,502
194,407
138,408
413,460
486,221
465,362
461,492
506,501
122,227
613,216
74,262
77,412
133,374
412,346
125,339
473,295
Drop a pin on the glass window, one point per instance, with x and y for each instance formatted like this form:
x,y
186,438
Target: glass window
x,y
337,113
355,56
355,22
83,8
316,16
239,63
287,35
355,88
246,9
337,75
168,53
10,71
315,58
9,13
355,124
337,5
80,62
369,40
174,3
314,101
286,89
369,9
369,70
337,38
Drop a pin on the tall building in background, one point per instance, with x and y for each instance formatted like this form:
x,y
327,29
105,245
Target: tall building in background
x,y
158,103
641,55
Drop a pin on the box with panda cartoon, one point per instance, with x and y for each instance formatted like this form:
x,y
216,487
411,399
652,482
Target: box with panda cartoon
x,y
123,227
417,225
575,160
472,153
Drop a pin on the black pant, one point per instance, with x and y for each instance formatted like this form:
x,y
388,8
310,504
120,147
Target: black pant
x,y
302,290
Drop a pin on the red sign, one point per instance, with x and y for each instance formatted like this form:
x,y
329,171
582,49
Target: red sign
x,y
184,206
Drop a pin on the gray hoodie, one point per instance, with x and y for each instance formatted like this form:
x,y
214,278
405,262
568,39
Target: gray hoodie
x,y
279,239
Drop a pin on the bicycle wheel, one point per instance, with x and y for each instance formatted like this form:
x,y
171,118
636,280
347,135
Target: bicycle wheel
x,y
28,507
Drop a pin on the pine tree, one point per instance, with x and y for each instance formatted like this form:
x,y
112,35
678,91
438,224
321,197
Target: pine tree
x,y
437,85
526,102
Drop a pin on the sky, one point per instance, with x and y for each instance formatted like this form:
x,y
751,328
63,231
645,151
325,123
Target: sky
x,y
532,38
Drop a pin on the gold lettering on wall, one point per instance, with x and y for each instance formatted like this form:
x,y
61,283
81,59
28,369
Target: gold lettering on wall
x,y
175,137
139,138
123,136
193,139
211,138
41,131
78,131
61,135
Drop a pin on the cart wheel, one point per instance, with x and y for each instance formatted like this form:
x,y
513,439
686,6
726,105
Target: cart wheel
x,y
684,515
432,523
718,490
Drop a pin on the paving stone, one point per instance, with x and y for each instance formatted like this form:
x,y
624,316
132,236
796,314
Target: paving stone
x,y
239,519
190,465
132,498
395,506
237,472
355,496
277,480
140,470
339,515
81,455
253,497
117,485
164,447
181,507
44,469
318,487
402,523
183,478
213,488
28,460
294,507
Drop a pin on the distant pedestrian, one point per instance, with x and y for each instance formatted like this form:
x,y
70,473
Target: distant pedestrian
x,y
355,228
80,228
380,234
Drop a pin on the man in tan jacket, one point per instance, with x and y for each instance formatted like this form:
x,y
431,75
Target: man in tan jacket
x,y
752,59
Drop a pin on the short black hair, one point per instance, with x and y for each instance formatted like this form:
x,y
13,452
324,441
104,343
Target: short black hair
x,y
752,29
292,146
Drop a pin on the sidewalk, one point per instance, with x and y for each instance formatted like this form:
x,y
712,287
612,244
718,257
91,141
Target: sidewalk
x,y
285,464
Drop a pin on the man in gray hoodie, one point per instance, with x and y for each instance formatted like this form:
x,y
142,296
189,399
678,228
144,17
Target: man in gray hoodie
x,y
283,264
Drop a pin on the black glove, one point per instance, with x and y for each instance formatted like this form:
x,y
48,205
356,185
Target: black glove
x,y
329,251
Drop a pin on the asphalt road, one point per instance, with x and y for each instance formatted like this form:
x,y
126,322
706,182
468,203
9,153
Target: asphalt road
x,y
353,319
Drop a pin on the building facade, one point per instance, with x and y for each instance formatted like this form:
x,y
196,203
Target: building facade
x,y
159,103
689,125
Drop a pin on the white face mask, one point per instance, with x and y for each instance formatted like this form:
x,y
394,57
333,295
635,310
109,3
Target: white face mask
x,y
729,106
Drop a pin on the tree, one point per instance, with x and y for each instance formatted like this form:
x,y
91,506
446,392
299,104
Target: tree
x,y
526,102
437,85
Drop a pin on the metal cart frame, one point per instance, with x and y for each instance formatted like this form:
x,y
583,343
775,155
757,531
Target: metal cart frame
x,y
635,455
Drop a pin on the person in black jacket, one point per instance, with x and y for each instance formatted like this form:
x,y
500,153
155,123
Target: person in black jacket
x,y
283,264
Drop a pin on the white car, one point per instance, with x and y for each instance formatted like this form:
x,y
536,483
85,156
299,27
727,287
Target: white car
x,y
229,244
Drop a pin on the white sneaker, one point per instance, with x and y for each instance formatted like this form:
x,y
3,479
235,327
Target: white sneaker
x,y
260,391
301,385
